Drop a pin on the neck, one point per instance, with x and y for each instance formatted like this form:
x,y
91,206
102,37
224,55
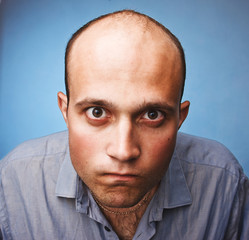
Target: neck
x,y
124,221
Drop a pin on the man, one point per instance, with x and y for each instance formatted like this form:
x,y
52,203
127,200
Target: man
x,y
122,171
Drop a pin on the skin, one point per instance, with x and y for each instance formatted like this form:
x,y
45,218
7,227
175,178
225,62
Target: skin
x,y
124,110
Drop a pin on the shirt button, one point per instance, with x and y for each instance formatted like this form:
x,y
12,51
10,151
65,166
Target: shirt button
x,y
107,229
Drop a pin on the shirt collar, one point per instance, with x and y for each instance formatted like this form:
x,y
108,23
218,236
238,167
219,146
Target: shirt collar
x,y
174,189
66,182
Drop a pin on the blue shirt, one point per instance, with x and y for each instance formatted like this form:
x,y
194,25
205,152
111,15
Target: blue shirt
x,y
203,195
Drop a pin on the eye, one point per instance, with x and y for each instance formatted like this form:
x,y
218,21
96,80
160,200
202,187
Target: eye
x,y
153,115
96,113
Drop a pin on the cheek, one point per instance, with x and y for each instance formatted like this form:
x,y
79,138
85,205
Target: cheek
x,y
165,146
84,149
159,152
81,143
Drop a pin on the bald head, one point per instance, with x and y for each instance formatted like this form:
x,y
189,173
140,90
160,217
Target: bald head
x,y
126,34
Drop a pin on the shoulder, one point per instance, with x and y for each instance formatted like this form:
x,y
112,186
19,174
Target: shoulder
x,y
28,177
206,152
37,150
215,179
46,145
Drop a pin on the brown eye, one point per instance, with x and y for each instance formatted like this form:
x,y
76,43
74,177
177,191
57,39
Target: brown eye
x,y
152,115
96,113
153,118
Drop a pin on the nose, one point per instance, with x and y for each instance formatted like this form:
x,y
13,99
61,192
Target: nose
x,y
123,145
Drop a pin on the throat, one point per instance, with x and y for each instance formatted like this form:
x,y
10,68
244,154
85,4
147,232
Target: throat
x,y
124,221
125,226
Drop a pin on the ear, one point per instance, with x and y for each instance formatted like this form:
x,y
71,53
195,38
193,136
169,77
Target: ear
x,y
62,103
183,112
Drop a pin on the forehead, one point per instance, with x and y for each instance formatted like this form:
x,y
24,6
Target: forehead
x,y
131,56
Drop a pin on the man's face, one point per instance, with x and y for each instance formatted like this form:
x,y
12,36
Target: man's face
x,y
123,114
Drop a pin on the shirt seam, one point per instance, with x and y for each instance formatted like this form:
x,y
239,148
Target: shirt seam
x,y
10,160
236,174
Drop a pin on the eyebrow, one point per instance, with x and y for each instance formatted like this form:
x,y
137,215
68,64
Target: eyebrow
x,y
155,105
109,105
94,101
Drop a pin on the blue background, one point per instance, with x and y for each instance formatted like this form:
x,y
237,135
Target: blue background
x,y
214,34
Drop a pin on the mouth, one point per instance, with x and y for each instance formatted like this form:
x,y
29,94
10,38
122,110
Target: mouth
x,y
117,177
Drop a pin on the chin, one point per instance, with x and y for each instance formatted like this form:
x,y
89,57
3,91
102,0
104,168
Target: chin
x,y
121,200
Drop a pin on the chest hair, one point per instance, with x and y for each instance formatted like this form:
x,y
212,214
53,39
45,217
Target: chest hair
x,y
125,226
